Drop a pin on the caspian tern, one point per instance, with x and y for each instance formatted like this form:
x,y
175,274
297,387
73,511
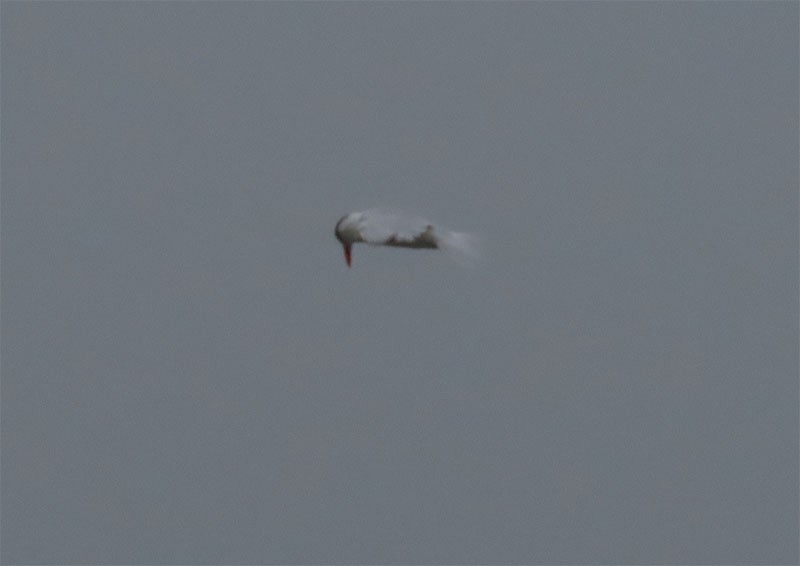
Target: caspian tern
x,y
383,228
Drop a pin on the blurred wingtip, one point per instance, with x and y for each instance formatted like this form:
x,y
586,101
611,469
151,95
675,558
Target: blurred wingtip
x,y
464,248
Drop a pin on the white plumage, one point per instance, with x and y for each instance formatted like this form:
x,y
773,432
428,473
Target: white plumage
x,y
395,229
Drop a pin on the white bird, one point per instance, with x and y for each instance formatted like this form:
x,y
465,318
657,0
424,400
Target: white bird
x,y
384,228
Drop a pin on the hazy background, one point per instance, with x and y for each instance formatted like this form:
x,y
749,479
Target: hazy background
x,y
192,375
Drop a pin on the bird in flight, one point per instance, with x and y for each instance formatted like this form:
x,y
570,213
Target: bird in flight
x,y
395,229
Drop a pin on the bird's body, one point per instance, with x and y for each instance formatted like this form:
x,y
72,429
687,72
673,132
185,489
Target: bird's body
x,y
383,228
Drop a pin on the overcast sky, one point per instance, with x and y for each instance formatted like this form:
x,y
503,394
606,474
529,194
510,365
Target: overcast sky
x,y
191,374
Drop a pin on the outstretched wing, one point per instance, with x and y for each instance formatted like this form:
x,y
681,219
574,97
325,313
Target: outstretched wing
x,y
386,228
380,227
425,239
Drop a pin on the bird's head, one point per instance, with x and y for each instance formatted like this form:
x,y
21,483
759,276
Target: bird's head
x,y
344,233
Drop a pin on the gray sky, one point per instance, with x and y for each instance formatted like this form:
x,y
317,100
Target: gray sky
x,y
192,375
